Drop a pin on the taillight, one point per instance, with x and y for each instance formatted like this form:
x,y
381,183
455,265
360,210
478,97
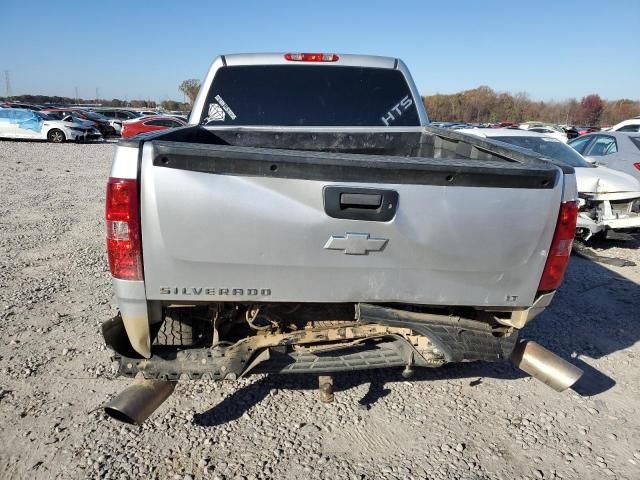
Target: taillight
x,y
123,229
560,250
637,165
311,57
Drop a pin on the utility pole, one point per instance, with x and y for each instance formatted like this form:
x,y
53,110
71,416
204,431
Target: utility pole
x,y
76,95
7,83
97,95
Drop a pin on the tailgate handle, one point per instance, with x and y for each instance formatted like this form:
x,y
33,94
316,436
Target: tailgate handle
x,y
360,200
371,204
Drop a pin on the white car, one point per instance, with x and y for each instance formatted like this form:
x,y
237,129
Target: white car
x,y
29,124
116,117
607,197
632,125
549,130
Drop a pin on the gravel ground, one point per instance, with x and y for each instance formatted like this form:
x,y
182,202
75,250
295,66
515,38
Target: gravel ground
x,y
471,421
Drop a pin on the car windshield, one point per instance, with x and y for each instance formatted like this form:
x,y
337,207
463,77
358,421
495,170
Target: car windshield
x,y
549,147
66,116
302,95
44,116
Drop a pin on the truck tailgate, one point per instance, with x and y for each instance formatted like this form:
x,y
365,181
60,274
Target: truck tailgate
x,y
245,224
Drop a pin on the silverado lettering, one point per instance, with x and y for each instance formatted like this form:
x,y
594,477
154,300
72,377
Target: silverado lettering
x,y
264,292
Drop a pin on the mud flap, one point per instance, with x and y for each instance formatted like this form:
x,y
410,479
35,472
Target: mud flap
x,y
117,338
137,328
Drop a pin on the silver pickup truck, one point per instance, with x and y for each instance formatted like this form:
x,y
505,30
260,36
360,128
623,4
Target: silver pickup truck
x,y
309,220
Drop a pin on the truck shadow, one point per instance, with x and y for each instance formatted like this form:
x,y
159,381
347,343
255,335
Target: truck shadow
x,y
594,314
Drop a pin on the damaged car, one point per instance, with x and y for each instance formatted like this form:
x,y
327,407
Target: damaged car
x,y
302,224
608,199
18,123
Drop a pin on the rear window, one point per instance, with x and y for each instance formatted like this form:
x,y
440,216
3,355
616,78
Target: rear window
x,y
629,128
304,95
549,147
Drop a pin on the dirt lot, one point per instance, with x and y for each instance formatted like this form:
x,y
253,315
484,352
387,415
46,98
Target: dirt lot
x,y
473,421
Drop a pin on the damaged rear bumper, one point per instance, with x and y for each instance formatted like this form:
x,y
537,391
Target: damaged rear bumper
x,y
588,227
379,337
607,212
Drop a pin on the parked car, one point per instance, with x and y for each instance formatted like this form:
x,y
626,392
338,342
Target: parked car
x,y
571,132
116,117
543,125
309,220
30,124
585,130
452,125
505,125
182,116
24,106
631,125
98,121
70,117
607,197
550,132
150,124
146,113
617,150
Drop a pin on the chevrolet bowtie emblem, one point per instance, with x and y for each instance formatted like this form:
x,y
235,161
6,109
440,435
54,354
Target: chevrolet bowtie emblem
x,y
355,243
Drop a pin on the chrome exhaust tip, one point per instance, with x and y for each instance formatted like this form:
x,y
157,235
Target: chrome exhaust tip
x,y
545,366
139,400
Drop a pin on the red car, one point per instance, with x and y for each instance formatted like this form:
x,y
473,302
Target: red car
x,y
149,124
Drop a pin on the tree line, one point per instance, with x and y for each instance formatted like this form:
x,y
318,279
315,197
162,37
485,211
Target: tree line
x,y
478,105
189,87
115,102
484,105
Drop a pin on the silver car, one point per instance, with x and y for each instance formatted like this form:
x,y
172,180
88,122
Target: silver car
x,y
615,150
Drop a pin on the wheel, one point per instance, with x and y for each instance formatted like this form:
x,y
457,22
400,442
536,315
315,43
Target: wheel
x,y
174,332
184,327
56,136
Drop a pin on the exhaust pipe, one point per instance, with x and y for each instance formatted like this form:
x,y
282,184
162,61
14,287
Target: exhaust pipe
x,y
545,366
139,400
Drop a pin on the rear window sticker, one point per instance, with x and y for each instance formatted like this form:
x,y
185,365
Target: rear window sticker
x,y
397,110
226,107
216,113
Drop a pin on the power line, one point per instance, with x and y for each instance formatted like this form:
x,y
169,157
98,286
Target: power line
x,y
7,83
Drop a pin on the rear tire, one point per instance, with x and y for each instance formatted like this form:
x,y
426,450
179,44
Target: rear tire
x,y
56,136
175,333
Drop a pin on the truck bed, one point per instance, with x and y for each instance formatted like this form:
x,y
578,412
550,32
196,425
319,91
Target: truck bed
x,y
256,215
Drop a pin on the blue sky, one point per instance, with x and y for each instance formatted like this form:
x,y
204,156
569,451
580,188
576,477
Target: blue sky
x,y
144,49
